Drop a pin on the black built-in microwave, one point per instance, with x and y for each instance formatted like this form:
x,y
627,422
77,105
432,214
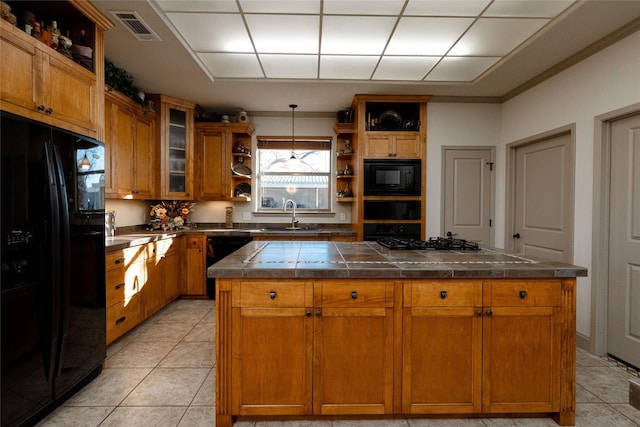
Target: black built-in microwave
x,y
392,177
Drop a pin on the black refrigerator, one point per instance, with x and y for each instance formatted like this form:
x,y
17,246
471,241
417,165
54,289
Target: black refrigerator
x,y
53,267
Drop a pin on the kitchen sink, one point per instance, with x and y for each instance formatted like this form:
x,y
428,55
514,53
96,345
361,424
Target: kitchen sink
x,y
291,229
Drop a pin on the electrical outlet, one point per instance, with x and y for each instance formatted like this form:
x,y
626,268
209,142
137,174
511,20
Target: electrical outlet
x,y
343,216
246,216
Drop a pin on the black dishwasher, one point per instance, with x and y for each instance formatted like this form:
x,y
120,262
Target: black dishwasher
x,y
219,247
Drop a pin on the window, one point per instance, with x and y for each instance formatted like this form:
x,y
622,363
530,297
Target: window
x,y
303,178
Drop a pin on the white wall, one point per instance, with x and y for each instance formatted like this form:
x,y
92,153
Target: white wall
x,y
451,124
602,83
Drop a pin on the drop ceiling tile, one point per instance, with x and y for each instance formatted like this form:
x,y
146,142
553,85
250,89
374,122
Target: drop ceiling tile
x,y
412,68
461,69
211,32
347,67
426,36
198,5
284,33
232,65
280,6
290,66
355,35
528,8
360,7
445,7
496,36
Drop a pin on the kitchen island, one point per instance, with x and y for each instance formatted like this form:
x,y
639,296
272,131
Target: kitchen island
x,y
353,329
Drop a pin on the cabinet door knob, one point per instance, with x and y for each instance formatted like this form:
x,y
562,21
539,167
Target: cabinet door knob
x,y
354,295
443,294
489,313
41,107
308,314
318,313
49,110
523,294
479,313
272,294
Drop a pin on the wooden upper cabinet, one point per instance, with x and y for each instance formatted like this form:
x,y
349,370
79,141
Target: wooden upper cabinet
x,y
40,83
214,157
130,141
174,134
406,145
212,164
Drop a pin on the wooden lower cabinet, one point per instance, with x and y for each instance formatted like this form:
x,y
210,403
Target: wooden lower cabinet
x,y
163,270
375,347
140,281
330,340
521,347
124,278
196,266
442,347
492,347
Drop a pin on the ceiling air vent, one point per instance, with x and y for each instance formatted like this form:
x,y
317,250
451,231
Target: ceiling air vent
x,y
136,25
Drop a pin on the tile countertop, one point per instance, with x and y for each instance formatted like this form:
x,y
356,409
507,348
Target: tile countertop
x,y
322,259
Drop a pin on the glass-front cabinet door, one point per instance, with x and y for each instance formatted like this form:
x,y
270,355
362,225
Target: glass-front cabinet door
x,y
175,130
177,151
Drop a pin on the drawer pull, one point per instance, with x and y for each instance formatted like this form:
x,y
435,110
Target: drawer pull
x,y
354,295
119,286
119,260
272,294
523,294
489,313
120,320
443,294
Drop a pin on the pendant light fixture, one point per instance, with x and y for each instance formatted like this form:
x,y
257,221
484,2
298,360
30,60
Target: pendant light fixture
x,y
293,164
85,164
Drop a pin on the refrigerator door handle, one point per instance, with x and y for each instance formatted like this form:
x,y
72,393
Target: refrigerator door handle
x,y
49,350
64,291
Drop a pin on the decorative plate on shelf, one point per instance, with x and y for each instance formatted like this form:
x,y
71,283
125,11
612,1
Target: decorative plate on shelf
x,y
240,169
390,120
242,190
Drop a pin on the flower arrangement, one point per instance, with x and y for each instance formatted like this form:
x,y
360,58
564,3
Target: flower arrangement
x,y
170,215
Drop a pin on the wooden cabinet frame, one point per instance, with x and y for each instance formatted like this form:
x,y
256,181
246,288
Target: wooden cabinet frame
x,y
388,145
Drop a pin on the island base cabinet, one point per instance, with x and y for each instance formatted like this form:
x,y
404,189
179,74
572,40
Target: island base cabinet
x,y
521,364
272,361
442,368
353,354
472,347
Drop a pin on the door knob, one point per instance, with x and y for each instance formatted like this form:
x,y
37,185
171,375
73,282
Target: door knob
x,y
516,236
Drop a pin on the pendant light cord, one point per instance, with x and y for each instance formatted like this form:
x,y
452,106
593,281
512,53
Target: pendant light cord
x,y
293,133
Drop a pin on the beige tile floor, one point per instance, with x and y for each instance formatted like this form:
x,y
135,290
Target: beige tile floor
x,y
162,374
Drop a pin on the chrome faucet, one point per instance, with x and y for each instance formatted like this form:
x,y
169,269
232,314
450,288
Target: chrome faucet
x,y
294,221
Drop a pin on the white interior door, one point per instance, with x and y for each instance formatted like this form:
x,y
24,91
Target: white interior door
x,y
543,192
623,325
467,193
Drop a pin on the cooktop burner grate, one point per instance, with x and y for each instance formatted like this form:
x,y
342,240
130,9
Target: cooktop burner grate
x,y
434,243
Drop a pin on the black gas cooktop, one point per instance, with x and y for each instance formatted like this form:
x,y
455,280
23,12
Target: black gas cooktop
x,y
434,243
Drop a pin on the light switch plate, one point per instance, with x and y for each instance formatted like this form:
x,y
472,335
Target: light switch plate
x,y
246,216
343,217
